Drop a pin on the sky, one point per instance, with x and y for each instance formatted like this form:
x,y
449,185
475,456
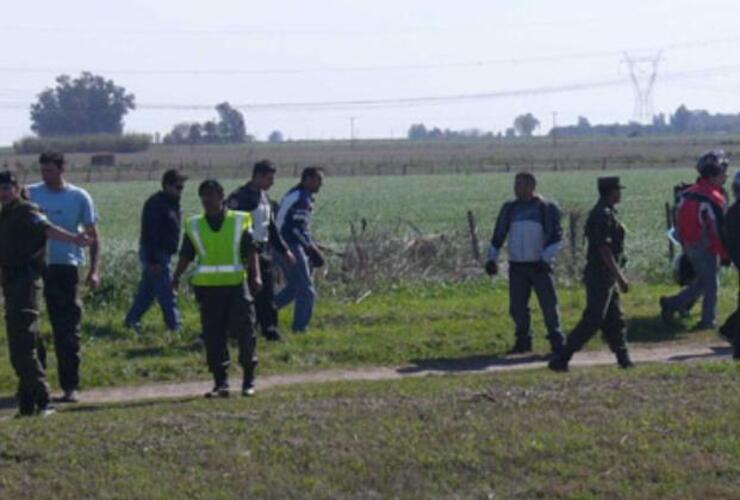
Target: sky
x,y
276,60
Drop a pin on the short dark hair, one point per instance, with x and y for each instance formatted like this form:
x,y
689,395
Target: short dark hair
x,y
210,185
263,167
52,158
8,177
172,177
529,176
312,171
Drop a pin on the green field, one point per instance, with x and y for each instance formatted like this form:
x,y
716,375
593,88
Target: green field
x,y
654,432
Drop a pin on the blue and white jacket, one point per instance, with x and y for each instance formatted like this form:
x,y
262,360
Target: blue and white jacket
x,y
294,217
533,229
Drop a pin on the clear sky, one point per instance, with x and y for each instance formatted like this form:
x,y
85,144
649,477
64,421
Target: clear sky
x,y
176,54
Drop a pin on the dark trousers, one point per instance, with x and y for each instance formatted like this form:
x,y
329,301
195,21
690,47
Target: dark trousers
x,y
731,327
523,277
65,314
20,291
226,311
264,301
603,311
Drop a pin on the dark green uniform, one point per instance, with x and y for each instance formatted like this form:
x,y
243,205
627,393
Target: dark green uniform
x,y
22,249
603,308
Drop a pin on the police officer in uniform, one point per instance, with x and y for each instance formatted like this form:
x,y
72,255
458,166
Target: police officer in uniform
x,y
252,197
220,241
23,234
604,280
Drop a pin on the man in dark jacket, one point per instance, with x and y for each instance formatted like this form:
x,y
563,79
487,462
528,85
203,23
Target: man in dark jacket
x,y
161,220
532,226
294,222
253,198
730,331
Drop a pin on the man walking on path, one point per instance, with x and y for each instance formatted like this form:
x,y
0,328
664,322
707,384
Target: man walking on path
x,y
220,241
604,279
700,220
294,222
71,208
532,225
23,235
730,331
160,235
253,198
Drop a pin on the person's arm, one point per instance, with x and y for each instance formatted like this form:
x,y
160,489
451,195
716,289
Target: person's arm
x,y
251,260
93,274
150,221
554,242
186,256
277,241
57,233
500,231
611,264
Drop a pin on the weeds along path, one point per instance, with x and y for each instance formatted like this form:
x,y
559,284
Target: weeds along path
x,y
665,353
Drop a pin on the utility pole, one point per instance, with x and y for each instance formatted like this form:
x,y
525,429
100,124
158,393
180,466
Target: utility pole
x,y
352,132
643,73
554,126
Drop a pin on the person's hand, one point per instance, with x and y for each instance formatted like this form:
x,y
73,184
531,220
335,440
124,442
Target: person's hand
x,y
315,257
93,279
255,285
82,240
544,267
290,258
624,284
156,269
491,268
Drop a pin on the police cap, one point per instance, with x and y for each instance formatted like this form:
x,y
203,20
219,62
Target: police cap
x,y
712,163
607,184
8,177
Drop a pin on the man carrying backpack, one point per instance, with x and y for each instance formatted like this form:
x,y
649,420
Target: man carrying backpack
x,y
700,223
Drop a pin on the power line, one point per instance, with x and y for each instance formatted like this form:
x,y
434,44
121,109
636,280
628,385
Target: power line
x,y
13,69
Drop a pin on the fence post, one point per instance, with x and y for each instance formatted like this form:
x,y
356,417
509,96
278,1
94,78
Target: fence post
x,y
473,236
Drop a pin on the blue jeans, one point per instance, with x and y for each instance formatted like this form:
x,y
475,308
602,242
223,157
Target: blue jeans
x,y
154,286
298,287
706,283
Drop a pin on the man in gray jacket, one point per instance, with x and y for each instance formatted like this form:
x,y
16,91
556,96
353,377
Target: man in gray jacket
x,y
532,225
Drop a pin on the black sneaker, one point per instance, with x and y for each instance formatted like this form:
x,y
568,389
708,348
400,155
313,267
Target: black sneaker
x,y
218,391
559,362
46,411
272,335
666,313
71,396
248,389
521,346
624,360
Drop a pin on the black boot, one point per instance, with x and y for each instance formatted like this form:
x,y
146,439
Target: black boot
x,y
559,362
521,346
623,359
557,344
220,387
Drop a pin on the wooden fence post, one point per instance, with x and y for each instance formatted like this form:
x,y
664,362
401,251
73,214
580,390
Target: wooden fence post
x,y
473,236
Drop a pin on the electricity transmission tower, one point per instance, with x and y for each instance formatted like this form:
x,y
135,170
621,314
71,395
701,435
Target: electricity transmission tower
x,y
643,73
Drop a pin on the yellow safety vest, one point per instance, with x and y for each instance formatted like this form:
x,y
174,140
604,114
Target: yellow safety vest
x,y
219,260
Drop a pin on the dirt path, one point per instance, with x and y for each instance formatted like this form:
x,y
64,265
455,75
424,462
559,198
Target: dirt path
x,y
664,353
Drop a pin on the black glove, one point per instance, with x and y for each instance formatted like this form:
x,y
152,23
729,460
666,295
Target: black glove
x,y
314,257
491,268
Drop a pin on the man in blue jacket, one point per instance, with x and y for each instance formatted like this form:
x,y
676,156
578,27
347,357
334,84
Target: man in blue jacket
x,y
532,225
161,221
294,222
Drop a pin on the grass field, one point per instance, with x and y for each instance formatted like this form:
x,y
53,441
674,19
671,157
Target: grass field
x,y
654,432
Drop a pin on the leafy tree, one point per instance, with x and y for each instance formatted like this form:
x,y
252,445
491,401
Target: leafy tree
x,y
526,124
681,119
231,125
417,131
275,136
89,104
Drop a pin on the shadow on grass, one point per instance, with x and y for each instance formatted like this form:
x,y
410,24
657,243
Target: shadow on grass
x,y
468,364
716,351
92,408
159,351
652,329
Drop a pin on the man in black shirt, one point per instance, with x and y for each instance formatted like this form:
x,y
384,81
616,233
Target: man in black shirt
x,y
160,234
253,198
730,331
